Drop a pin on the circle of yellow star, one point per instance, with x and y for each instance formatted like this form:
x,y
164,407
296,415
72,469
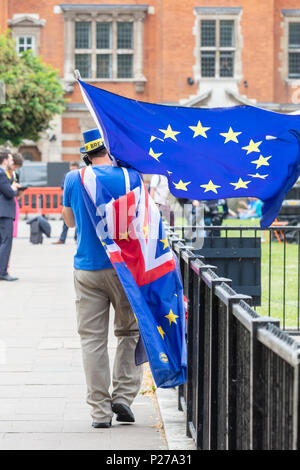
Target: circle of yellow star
x,y
169,133
257,175
262,161
230,135
241,184
165,242
153,137
252,147
161,331
181,185
172,317
199,130
210,186
154,155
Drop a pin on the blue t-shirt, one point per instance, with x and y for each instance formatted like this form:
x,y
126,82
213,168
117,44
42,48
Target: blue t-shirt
x,y
90,255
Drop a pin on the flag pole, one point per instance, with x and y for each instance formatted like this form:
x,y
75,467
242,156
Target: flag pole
x,y
77,74
88,104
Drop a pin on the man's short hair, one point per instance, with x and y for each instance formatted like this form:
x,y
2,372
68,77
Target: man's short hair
x,y
97,153
74,163
18,159
4,154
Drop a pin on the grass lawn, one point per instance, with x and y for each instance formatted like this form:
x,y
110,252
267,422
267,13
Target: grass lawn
x,y
287,313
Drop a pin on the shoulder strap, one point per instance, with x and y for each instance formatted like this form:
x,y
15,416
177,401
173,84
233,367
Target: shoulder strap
x,y
127,179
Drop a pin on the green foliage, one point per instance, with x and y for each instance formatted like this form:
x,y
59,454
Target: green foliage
x,y
33,94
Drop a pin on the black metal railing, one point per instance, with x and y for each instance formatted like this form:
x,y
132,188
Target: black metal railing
x,y
242,389
271,274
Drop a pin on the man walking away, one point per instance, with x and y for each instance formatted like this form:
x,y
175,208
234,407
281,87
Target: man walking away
x,y
97,286
8,192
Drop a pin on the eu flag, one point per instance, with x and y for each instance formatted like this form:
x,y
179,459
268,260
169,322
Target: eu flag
x,y
205,153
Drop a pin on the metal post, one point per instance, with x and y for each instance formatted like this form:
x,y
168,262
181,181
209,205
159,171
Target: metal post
x,y
256,407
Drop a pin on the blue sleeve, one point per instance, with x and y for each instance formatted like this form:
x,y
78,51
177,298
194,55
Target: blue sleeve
x,y
68,189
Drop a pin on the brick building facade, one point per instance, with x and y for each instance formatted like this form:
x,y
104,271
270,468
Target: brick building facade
x,y
219,53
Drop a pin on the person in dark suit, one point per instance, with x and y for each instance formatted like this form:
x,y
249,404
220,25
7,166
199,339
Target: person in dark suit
x,y
8,192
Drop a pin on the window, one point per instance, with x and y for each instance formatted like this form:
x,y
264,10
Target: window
x,y
83,35
217,48
124,35
104,35
83,63
104,69
104,42
294,50
24,43
109,49
26,30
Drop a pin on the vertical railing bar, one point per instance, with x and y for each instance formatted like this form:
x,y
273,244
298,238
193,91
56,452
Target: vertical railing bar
x,y
255,244
298,296
284,277
295,407
270,270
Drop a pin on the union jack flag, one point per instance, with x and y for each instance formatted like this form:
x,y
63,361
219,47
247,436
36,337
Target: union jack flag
x,y
131,231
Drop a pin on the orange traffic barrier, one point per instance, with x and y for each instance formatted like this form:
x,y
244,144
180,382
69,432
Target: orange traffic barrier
x,y
276,223
42,201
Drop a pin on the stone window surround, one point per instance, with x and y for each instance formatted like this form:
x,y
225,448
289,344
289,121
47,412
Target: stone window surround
x,y
289,16
218,13
27,25
106,13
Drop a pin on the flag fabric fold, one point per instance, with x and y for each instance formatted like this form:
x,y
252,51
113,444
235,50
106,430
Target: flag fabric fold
x,y
218,153
132,233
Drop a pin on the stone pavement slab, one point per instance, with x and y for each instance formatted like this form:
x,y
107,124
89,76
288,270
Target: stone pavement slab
x,y
42,386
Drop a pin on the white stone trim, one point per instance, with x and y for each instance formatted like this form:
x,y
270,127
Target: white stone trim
x,y
105,13
27,24
57,10
288,16
70,150
218,14
67,137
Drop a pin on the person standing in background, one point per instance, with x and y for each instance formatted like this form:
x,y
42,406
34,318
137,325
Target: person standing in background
x,y
17,162
63,236
159,191
8,193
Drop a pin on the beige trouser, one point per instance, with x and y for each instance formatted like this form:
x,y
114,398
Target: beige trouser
x,y
95,290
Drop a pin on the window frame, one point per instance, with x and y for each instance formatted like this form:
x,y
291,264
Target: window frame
x,y
27,25
114,14
218,14
25,36
295,50
113,51
289,16
217,49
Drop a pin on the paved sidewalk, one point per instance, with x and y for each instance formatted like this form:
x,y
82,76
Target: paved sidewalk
x,y
42,388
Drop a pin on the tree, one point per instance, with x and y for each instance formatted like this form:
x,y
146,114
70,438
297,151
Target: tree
x,y
33,94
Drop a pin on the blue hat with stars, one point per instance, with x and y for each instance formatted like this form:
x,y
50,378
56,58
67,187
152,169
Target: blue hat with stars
x,y
92,141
